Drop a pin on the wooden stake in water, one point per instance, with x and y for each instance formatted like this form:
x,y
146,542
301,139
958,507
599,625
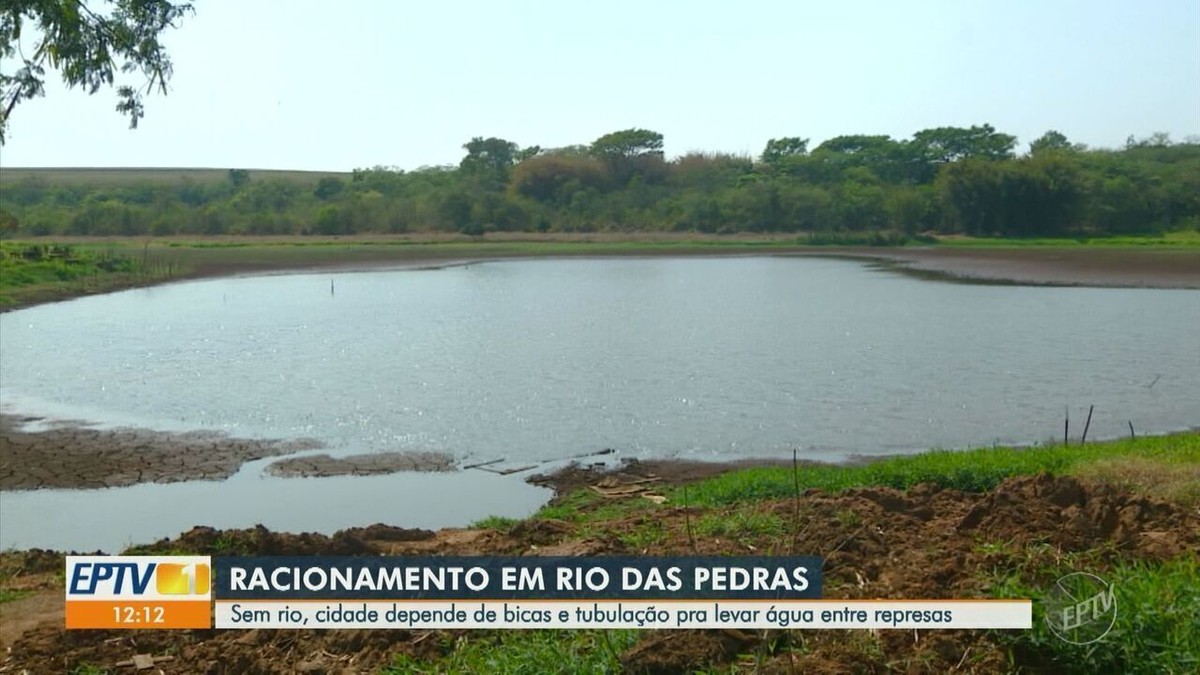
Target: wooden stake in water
x,y
331,288
1066,425
1087,424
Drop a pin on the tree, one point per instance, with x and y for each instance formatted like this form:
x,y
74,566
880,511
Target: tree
x,y
950,144
779,149
628,144
489,155
328,188
1053,141
87,47
554,177
239,178
631,152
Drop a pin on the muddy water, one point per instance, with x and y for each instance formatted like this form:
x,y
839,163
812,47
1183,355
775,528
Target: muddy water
x,y
113,519
537,360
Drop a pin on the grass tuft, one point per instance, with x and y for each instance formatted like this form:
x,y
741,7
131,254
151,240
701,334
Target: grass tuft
x,y
975,470
537,651
1155,630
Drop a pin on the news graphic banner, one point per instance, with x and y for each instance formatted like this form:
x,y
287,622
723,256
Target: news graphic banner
x,y
492,592
139,592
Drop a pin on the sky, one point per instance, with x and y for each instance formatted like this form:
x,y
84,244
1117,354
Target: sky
x,y
317,85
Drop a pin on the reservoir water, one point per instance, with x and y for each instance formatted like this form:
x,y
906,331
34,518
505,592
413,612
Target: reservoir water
x,y
537,360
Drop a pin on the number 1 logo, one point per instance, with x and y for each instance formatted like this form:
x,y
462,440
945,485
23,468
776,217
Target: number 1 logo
x,y
176,579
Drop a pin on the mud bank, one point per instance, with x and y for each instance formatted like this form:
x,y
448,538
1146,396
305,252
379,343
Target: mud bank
x,y
877,543
77,456
321,466
73,456
1123,268
1084,265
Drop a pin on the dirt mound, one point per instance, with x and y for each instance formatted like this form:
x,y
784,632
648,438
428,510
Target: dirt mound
x,y
51,649
684,651
877,543
1074,516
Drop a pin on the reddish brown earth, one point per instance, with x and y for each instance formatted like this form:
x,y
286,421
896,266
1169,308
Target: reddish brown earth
x,y
877,543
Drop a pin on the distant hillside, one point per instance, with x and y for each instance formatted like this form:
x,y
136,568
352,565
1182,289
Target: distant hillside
x,y
99,176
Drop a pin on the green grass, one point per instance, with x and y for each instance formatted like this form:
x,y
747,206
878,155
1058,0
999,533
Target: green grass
x,y
32,271
498,523
9,594
535,651
742,523
969,470
1156,629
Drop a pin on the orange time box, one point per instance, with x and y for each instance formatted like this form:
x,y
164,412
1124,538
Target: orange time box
x,y
135,614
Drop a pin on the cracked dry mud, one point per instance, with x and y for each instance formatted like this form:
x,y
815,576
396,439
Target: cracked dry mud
x,y
372,464
72,456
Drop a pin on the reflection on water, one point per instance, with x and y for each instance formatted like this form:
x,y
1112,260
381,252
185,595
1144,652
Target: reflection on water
x,y
112,519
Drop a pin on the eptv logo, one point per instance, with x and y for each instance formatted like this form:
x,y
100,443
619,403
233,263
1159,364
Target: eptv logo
x,y
123,578
139,592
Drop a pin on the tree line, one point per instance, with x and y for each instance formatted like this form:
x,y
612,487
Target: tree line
x,y
947,180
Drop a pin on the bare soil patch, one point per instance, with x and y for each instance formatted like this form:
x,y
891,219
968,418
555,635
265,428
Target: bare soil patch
x,y
74,456
361,465
1117,267
634,471
877,543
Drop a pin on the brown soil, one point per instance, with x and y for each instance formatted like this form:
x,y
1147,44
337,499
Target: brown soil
x,y
877,543
74,456
1084,266
361,465
1131,268
634,471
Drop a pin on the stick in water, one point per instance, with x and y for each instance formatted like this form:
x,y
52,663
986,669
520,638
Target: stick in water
x,y
795,498
1066,425
1087,424
1131,434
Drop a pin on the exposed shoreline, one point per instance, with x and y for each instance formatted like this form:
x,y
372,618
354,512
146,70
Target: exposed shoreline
x,y
1093,266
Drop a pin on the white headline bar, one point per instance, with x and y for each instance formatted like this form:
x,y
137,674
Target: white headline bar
x,y
691,614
